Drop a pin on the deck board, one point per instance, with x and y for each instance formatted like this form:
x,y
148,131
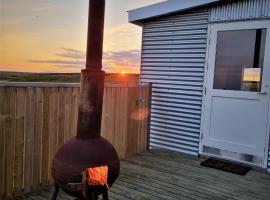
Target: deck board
x,y
160,174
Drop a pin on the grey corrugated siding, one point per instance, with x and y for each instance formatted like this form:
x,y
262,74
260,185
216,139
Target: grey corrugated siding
x,y
241,10
173,57
268,160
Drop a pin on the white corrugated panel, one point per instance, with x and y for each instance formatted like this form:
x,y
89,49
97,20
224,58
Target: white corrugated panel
x,y
241,10
173,58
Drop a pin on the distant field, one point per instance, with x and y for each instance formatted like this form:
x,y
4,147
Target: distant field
x,y
63,77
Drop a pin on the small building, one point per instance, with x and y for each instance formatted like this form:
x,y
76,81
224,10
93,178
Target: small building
x,y
209,65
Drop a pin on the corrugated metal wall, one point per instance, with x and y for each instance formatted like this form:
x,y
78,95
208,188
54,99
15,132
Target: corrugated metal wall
x,y
173,57
241,10
269,160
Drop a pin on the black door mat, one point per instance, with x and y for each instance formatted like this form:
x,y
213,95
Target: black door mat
x,y
225,166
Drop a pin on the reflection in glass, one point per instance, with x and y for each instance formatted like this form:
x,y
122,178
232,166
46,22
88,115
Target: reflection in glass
x,y
239,60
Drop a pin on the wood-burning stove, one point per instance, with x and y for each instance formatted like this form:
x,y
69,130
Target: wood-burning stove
x,y
88,149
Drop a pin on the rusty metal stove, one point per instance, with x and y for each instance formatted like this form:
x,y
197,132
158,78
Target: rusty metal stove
x,y
88,148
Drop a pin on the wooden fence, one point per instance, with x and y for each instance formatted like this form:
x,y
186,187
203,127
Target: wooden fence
x,y
35,119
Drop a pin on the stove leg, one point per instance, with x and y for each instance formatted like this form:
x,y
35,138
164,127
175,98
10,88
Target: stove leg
x,y
92,196
105,195
54,193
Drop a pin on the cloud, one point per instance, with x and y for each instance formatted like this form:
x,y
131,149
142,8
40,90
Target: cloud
x,y
113,61
71,53
66,62
122,60
46,8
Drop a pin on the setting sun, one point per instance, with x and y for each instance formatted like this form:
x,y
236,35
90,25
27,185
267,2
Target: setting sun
x,y
123,72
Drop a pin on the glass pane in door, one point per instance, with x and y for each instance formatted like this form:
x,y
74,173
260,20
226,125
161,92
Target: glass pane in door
x,y
239,60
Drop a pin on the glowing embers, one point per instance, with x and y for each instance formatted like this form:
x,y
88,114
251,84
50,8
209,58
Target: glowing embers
x,y
94,183
97,176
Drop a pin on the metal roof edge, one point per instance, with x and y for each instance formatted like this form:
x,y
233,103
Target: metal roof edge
x,y
164,8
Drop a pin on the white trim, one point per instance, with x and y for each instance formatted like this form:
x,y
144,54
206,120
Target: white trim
x,y
204,86
267,142
164,8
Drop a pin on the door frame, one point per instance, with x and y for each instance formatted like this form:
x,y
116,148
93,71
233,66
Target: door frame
x,y
267,52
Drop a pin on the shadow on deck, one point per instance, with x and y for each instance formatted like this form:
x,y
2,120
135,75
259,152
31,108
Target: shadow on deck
x,y
162,174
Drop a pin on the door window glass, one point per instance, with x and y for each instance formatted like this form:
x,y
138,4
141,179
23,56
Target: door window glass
x,y
239,60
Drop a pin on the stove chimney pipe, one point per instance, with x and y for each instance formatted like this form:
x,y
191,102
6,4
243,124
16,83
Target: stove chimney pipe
x,y
92,78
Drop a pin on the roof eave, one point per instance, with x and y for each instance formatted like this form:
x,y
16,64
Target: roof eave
x,y
137,16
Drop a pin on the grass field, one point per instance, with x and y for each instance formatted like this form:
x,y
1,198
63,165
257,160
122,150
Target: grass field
x,y
63,77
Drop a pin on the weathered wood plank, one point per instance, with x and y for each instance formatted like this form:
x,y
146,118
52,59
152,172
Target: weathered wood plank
x,y
133,125
110,131
19,140
67,118
61,117
146,113
46,135
53,128
10,112
123,107
2,140
141,133
74,111
116,121
107,126
104,113
38,131
29,139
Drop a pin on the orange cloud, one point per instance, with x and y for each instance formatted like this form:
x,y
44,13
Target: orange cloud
x,y
113,61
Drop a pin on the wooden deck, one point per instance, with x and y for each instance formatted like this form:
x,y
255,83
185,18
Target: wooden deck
x,y
167,175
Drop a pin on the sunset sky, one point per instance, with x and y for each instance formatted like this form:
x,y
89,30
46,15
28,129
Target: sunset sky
x,y
50,35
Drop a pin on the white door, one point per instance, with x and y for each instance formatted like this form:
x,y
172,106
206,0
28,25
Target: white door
x,y
236,103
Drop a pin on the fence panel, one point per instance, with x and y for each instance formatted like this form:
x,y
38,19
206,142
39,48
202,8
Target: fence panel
x,y
35,119
125,117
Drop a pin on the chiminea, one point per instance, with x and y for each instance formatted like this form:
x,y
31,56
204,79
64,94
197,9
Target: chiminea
x,y
88,149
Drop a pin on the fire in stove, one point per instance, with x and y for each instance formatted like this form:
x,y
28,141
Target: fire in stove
x,y
94,183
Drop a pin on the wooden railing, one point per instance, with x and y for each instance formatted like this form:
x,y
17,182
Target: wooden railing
x,y
36,118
